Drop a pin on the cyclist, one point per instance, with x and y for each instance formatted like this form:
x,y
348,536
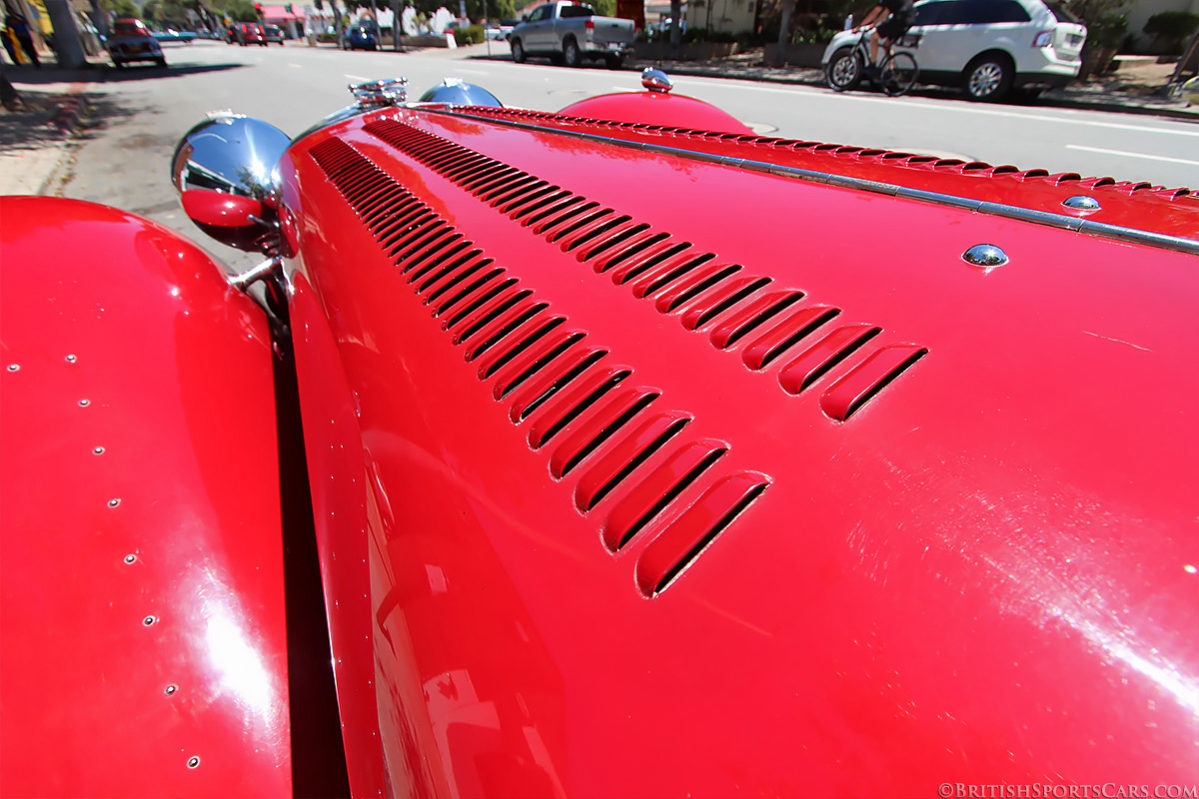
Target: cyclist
x,y
890,19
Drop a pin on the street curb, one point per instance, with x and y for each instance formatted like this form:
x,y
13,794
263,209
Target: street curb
x,y
66,121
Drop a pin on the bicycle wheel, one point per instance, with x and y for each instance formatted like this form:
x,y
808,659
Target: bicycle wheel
x,y
844,70
898,74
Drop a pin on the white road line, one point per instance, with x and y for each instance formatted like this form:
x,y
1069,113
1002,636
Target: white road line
x,y
295,66
1010,113
356,77
1127,154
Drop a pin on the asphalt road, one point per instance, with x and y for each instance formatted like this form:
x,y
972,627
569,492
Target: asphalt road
x,y
139,115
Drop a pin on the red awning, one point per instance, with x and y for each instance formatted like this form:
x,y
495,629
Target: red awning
x,y
282,13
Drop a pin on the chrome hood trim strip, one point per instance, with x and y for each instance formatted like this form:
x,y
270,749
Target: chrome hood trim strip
x,y
1061,221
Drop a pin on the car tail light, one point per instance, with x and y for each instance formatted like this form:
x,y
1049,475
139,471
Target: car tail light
x,y
590,25
1043,39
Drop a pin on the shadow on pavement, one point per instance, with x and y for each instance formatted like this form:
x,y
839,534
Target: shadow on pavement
x,y
110,74
27,76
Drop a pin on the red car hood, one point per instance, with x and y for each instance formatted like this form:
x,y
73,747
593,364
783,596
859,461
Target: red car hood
x,y
641,472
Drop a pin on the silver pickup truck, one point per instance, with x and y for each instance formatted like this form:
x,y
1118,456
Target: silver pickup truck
x,y
568,32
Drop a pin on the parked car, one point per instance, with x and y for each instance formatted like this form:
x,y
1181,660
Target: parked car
x,y
361,37
577,455
989,47
273,33
130,41
250,33
173,35
569,33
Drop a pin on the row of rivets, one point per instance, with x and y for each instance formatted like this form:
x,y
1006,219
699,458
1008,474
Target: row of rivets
x,y
16,367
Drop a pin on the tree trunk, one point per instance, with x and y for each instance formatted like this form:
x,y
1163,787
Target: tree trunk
x,y
66,35
676,27
9,97
780,53
396,25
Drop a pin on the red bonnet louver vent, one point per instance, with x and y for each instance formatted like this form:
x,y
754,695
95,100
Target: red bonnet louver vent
x,y
553,377
807,340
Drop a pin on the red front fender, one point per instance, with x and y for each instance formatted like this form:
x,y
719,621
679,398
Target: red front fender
x,y
144,643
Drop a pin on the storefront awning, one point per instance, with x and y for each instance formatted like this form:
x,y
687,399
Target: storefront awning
x,y
285,13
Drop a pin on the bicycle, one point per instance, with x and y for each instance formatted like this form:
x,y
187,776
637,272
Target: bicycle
x,y
895,76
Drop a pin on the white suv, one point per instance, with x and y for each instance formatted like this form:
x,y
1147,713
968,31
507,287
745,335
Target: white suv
x,y
989,47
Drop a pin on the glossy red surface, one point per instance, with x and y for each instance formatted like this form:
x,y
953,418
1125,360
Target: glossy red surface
x,y
657,108
947,534
1169,210
144,647
217,208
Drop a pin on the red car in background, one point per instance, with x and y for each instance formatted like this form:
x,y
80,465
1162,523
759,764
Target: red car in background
x,y
250,33
577,455
131,41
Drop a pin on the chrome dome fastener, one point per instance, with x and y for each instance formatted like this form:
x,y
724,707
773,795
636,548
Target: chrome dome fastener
x,y
655,80
985,256
1082,203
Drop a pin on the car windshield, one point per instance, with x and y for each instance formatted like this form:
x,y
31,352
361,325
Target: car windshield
x,y
127,27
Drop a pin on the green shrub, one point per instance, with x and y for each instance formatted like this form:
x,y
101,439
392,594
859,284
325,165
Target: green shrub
x,y
1172,29
1107,30
472,35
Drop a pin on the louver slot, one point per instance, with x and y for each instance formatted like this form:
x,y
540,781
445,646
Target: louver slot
x,y
482,323
632,247
537,391
532,360
693,285
471,320
625,456
521,339
654,280
650,257
651,496
617,235
455,278
508,323
581,396
420,268
586,233
579,225
707,306
869,377
532,203
489,281
677,546
810,365
757,313
786,334
435,283
608,417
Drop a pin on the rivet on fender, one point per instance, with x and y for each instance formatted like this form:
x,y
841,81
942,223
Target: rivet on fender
x,y
170,689
112,503
193,761
71,358
14,367
149,621
985,256
130,559
97,450
83,403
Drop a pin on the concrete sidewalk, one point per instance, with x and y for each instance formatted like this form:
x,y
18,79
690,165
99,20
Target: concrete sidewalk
x,y
34,138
